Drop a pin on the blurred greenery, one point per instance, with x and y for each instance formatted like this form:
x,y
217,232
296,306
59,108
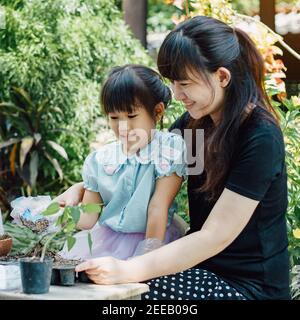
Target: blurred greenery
x,y
58,52
290,124
160,16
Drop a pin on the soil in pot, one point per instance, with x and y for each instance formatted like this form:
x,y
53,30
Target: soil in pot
x,y
63,275
60,262
63,272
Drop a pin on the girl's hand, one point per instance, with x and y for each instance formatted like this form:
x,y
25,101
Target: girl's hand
x,y
106,270
72,196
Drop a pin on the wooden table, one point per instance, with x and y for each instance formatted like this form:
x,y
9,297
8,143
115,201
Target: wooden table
x,y
82,291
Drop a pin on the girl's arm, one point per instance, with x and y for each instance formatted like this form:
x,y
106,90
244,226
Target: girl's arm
x,y
72,196
166,189
88,220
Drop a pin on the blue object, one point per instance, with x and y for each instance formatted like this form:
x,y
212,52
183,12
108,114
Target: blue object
x,y
126,183
28,216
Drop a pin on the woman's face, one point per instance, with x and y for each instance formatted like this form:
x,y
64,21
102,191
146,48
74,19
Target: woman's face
x,y
199,97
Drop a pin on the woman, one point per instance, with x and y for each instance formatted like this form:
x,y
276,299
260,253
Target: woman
x,y
237,244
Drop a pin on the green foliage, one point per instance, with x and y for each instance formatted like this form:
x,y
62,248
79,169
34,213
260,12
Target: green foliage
x,y
58,52
25,136
290,124
160,16
295,283
67,221
25,241
249,7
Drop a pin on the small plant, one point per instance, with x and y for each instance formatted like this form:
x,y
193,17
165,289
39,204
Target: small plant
x,y
66,223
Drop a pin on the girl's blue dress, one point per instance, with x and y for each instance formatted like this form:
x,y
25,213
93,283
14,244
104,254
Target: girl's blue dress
x,y
126,184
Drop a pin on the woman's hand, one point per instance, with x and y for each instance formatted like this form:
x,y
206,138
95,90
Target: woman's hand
x,y
107,270
72,196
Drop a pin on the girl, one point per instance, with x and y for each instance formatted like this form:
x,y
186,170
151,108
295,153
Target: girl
x,y
136,177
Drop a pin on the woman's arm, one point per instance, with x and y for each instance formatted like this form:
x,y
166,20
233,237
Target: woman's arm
x,y
166,189
227,219
88,220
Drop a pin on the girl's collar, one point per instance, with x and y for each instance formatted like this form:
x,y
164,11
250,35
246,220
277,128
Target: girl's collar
x,y
143,155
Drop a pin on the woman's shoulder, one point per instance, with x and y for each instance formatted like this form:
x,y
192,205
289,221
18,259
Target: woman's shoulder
x,y
260,134
261,124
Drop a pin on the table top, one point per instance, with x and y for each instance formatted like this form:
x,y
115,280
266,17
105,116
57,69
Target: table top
x,y
81,291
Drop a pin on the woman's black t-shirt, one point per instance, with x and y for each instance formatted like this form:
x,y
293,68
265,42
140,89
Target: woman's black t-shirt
x,y
256,263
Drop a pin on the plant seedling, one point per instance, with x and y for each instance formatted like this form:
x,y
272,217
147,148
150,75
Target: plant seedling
x,y
67,222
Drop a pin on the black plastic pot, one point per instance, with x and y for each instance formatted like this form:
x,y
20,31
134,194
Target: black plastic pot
x,y
55,278
35,275
63,276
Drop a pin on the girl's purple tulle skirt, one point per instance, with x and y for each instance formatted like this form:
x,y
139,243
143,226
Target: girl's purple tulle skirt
x,y
107,242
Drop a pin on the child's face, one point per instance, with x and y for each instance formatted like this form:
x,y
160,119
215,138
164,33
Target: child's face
x,y
133,129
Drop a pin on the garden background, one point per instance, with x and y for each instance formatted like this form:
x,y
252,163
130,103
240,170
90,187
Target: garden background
x,y
54,56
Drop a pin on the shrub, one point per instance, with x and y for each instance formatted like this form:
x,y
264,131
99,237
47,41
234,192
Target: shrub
x,y
58,52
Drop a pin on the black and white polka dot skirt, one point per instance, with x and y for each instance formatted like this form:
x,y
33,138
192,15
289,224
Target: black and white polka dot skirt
x,y
191,284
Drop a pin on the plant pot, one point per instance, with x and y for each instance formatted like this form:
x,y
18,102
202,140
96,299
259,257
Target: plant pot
x,y
55,277
35,275
63,276
5,245
10,278
82,277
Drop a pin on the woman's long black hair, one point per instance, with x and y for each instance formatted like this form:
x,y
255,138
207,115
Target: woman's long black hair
x,y
202,45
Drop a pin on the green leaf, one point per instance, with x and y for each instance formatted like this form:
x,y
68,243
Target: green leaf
x,y
26,145
92,208
69,227
34,163
75,213
66,215
67,211
70,242
59,221
55,165
21,98
9,142
52,209
90,242
37,138
41,107
10,107
59,149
